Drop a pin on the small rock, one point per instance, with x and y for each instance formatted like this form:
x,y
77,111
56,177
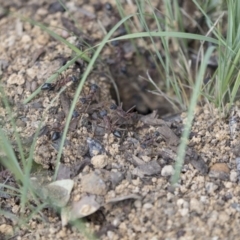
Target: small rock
x,y
220,171
20,123
6,229
31,73
26,38
42,39
167,171
16,79
146,158
183,212
110,234
181,203
33,86
233,176
238,167
236,206
147,206
42,12
196,205
138,204
115,178
99,161
3,64
211,187
116,222
223,218
92,183
55,7
95,147
148,169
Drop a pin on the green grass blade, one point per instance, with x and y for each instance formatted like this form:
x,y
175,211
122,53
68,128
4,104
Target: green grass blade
x,y
187,127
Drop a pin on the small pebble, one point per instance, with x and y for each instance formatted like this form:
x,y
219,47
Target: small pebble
x,y
56,7
99,161
167,171
16,79
95,147
196,206
20,123
236,206
220,171
33,86
233,176
147,206
211,187
92,183
6,229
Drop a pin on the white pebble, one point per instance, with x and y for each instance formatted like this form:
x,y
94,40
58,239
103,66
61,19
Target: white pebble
x,y
233,176
167,170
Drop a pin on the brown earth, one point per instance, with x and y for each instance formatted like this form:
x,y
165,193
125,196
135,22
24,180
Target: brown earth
x,y
120,163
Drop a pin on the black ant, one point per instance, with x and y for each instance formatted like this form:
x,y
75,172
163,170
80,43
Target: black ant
x,y
109,124
108,6
47,129
55,136
150,140
67,81
91,95
64,81
120,113
118,58
48,86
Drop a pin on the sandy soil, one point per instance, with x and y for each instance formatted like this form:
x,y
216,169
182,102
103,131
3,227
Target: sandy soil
x,y
116,165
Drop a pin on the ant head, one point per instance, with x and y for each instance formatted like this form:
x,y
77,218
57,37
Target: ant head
x,y
103,113
56,136
83,100
75,114
115,43
47,86
94,87
113,106
73,79
117,134
156,134
108,6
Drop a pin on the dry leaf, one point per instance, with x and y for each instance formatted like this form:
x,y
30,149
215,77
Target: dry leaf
x,y
85,207
58,192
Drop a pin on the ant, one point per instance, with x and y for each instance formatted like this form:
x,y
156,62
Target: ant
x,y
150,140
63,82
91,95
48,86
119,112
47,129
109,124
56,129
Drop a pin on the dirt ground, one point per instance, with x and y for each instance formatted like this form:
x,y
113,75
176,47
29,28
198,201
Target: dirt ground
x,y
116,165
